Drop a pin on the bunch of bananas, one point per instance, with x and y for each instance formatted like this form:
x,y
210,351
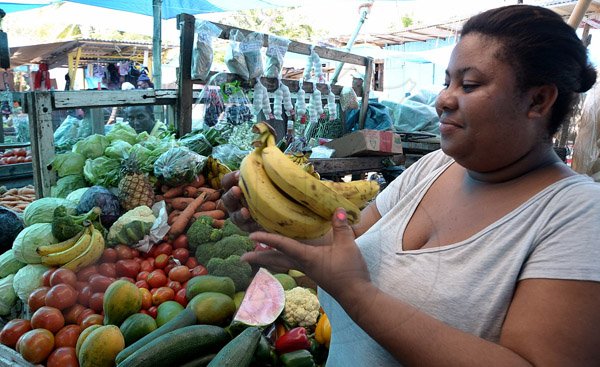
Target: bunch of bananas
x,y
77,252
301,160
214,171
284,198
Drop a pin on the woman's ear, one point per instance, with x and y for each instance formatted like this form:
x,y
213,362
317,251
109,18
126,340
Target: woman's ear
x,y
542,100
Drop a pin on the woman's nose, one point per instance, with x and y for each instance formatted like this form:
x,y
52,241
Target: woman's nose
x,y
445,100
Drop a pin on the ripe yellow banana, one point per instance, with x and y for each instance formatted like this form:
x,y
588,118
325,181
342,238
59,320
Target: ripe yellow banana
x,y
304,187
90,255
271,208
360,192
63,257
58,247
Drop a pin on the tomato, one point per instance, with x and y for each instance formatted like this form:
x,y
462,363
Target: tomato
x,y
85,273
46,276
61,296
109,255
152,311
123,252
48,318
180,274
130,280
162,294
12,331
169,266
36,345
63,276
28,159
161,261
191,262
85,313
142,275
128,268
157,278
146,266
174,285
67,336
20,152
146,298
96,301
142,284
72,313
20,159
181,242
163,248
181,254
11,160
37,298
80,285
99,282
135,253
180,297
199,270
84,295
63,357
93,319
108,270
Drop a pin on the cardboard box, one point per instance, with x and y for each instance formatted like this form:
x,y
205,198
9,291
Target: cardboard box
x,y
366,142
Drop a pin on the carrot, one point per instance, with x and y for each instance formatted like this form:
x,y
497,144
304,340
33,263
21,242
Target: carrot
x,y
199,181
26,191
180,203
183,219
214,214
207,205
211,194
174,192
173,214
190,191
12,192
218,223
219,205
173,218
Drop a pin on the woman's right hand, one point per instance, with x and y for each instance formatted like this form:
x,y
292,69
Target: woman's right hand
x,y
233,201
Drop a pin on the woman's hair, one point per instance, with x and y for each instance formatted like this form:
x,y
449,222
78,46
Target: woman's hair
x,y
542,48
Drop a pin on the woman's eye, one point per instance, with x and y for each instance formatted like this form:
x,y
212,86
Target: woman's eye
x,y
469,87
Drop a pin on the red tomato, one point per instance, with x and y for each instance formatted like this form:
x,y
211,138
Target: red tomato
x,y
180,297
161,261
169,266
85,273
72,313
99,282
128,268
152,311
67,336
80,285
163,248
130,280
135,253
181,242
28,159
37,298
109,255
162,294
174,285
48,318
199,270
84,295
63,276
11,160
146,266
146,298
12,331
191,263
61,296
93,319
157,279
142,275
181,254
123,252
142,284
63,357
36,345
46,276
108,270
180,274
82,316
96,301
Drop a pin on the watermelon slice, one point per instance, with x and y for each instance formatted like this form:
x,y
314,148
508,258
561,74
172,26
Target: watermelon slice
x,y
263,302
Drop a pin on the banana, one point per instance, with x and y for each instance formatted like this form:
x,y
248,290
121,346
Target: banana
x,y
61,246
271,208
63,257
90,255
304,187
360,192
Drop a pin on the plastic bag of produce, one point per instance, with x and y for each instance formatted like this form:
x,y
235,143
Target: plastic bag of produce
x,y
196,142
275,53
234,57
230,155
178,165
202,52
237,105
251,48
213,104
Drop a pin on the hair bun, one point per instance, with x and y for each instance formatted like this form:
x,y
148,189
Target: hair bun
x,y
588,78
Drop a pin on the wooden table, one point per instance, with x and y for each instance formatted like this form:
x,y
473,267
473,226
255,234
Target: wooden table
x,y
335,168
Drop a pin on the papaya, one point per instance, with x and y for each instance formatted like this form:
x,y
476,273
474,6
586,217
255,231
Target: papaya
x,y
212,308
136,327
101,347
166,311
121,300
209,283
83,335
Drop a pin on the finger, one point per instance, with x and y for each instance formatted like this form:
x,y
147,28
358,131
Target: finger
x,y
232,198
230,179
269,259
292,248
342,232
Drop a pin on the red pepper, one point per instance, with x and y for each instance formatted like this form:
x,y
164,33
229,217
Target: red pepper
x,y
295,339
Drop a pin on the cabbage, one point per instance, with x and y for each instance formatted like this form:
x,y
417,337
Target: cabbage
x,y
118,149
102,171
104,199
75,196
10,226
65,185
29,239
28,279
8,296
42,210
69,163
91,147
122,131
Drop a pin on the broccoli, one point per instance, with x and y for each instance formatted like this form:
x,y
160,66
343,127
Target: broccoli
x,y
65,225
239,271
201,232
229,228
223,248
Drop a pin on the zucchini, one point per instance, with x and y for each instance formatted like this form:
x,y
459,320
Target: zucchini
x,y
239,351
187,317
178,347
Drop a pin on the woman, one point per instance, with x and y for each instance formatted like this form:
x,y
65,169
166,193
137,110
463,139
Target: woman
x,y
487,252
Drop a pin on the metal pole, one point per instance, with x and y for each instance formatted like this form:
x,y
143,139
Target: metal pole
x,y
578,12
156,43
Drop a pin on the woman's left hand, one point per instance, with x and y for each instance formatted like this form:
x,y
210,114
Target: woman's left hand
x,y
332,266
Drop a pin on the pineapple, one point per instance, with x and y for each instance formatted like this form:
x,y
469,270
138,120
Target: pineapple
x,y
134,187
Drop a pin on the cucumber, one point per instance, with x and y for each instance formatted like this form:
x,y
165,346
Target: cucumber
x,y
184,318
179,346
239,351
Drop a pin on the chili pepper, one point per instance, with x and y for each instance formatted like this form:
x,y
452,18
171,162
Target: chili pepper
x,y
299,358
294,339
323,330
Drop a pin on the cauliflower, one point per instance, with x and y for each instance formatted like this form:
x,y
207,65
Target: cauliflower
x,y
131,227
301,307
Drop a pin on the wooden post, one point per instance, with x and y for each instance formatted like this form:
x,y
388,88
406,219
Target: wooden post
x,y
42,141
183,110
157,44
362,117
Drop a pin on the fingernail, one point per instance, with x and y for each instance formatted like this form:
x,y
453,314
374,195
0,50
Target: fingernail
x,y
341,215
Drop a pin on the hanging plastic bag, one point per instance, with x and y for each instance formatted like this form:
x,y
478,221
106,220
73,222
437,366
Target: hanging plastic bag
x,y
234,57
178,165
251,49
202,53
275,53
237,104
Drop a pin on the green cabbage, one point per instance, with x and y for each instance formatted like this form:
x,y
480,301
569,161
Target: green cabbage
x,y
75,196
42,210
65,185
102,171
28,279
122,131
91,147
118,149
8,296
69,163
29,239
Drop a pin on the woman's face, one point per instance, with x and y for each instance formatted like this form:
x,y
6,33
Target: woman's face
x,y
483,116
